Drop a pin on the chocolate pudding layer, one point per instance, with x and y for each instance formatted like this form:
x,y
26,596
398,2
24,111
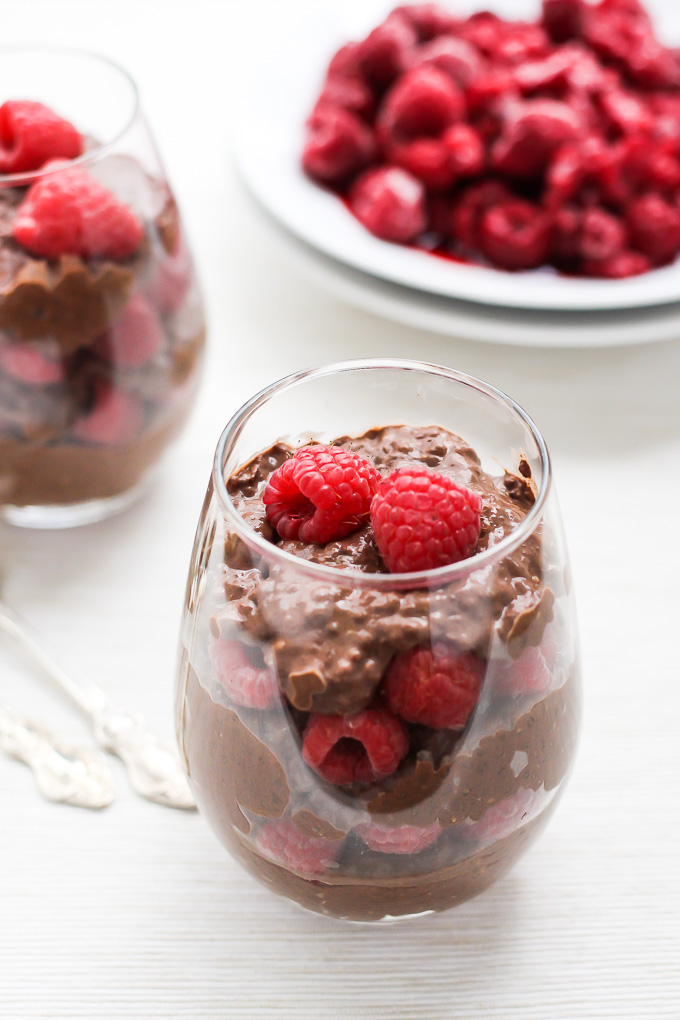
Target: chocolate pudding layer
x,y
463,803
99,359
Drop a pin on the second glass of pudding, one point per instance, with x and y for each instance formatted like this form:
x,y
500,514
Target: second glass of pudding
x,y
101,318
327,786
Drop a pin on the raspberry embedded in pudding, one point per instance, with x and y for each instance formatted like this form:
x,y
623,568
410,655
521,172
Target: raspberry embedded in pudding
x,y
436,687
577,110
361,748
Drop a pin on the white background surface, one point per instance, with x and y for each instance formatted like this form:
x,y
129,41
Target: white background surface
x,y
138,912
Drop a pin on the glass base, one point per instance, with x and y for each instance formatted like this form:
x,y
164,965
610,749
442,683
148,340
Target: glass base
x,y
71,515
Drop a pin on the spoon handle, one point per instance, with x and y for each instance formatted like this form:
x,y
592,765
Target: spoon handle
x,y
64,774
153,767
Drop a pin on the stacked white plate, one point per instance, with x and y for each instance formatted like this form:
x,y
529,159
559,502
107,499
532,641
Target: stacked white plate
x,y
540,308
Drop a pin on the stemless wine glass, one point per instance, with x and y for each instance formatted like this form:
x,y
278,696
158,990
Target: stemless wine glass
x,y
275,645
100,340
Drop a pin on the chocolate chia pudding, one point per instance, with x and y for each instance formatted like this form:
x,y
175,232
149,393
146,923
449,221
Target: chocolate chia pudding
x,y
374,749
101,326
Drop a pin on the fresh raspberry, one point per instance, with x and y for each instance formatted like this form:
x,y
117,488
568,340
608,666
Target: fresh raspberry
x,y
484,30
360,748
520,42
337,145
69,213
565,245
428,159
434,686
529,674
489,93
455,57
282,842
349,94
504,818
439,162
114,419
654,227
29,365
387,51
429,20
533,131
346,62
319,494
466,148
650,164
564,176
406,839
602,235
620,267
246,684
135,337
424,102
470,208
562,19
625,113
515,235
422,519
390,203
31,134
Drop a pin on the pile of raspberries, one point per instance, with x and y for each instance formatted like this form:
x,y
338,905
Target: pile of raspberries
x,y
512,144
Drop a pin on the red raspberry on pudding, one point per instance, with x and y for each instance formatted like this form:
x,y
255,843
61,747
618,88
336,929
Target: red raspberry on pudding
x,y
422,519
319,494
390,202
405,839
360,748
435,686
31,134
69,213
282,842
247,685
337,145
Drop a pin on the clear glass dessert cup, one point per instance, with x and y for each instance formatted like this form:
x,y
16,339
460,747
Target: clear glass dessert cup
x,y
272,639
100,352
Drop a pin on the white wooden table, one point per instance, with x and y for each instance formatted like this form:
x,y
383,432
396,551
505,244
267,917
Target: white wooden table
x,y
137,912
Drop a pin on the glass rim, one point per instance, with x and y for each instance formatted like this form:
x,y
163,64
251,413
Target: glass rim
x,y
417,579
27,177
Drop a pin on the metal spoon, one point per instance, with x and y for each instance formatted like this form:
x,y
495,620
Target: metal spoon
x,y
64,774
153,766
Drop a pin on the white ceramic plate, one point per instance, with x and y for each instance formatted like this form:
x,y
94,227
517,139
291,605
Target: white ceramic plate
x,y
268,140
469,320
